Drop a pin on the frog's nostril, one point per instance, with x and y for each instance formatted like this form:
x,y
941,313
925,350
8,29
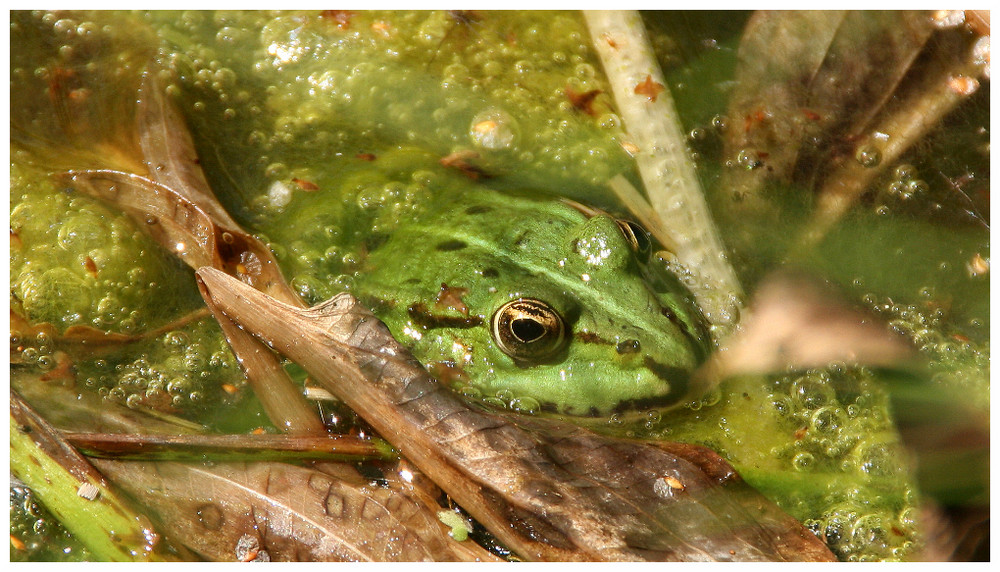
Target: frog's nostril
x,y
628,347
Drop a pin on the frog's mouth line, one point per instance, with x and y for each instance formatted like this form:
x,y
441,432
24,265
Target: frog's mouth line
x,y
675,378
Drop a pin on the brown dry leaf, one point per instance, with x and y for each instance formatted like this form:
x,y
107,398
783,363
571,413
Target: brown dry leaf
x,y
547,489
185,228
170,157
294,513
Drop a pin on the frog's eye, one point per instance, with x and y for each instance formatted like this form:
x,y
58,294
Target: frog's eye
x,y
636,236
528,330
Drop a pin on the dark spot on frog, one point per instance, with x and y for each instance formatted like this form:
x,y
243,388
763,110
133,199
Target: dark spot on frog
x,y
591,338
491,273
412,281
450,297
681,324
450,245
628,347
478,209
421,316
520,238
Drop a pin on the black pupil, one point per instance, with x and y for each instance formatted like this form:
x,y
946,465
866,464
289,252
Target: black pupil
x,y
527,330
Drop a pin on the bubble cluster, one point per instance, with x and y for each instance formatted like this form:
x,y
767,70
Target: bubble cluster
x,y
428,78
81,263
37,536
959,357
828,430
856,535
181,371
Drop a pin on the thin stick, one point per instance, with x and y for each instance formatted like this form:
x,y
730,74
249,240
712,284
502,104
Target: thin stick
x,y
228,447
912,119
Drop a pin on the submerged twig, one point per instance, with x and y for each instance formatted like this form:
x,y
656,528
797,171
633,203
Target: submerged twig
x,y
913,118
88,337
664,162
227,447
77,494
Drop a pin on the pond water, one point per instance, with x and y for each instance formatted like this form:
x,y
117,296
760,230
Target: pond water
x,y
326,134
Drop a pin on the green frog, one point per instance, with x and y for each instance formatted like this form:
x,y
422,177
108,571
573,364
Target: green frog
x,y
533,304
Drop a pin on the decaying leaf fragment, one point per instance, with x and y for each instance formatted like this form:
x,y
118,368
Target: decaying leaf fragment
x,y
829,100
547,489
214,508
177,208
807,77
321,514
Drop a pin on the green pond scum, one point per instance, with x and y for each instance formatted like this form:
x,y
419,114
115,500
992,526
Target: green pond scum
x,y
418,160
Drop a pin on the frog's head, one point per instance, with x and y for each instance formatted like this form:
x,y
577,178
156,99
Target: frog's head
x,y
537,305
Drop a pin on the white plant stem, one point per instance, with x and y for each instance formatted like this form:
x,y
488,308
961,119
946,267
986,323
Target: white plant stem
x,y
664,163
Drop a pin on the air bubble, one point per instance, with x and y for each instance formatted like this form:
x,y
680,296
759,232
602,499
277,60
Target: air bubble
x,y
905,172
525,405
826,420
803,461
811,394
175,339
917,187
868,156
749,159
46,362
494,130
65,26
